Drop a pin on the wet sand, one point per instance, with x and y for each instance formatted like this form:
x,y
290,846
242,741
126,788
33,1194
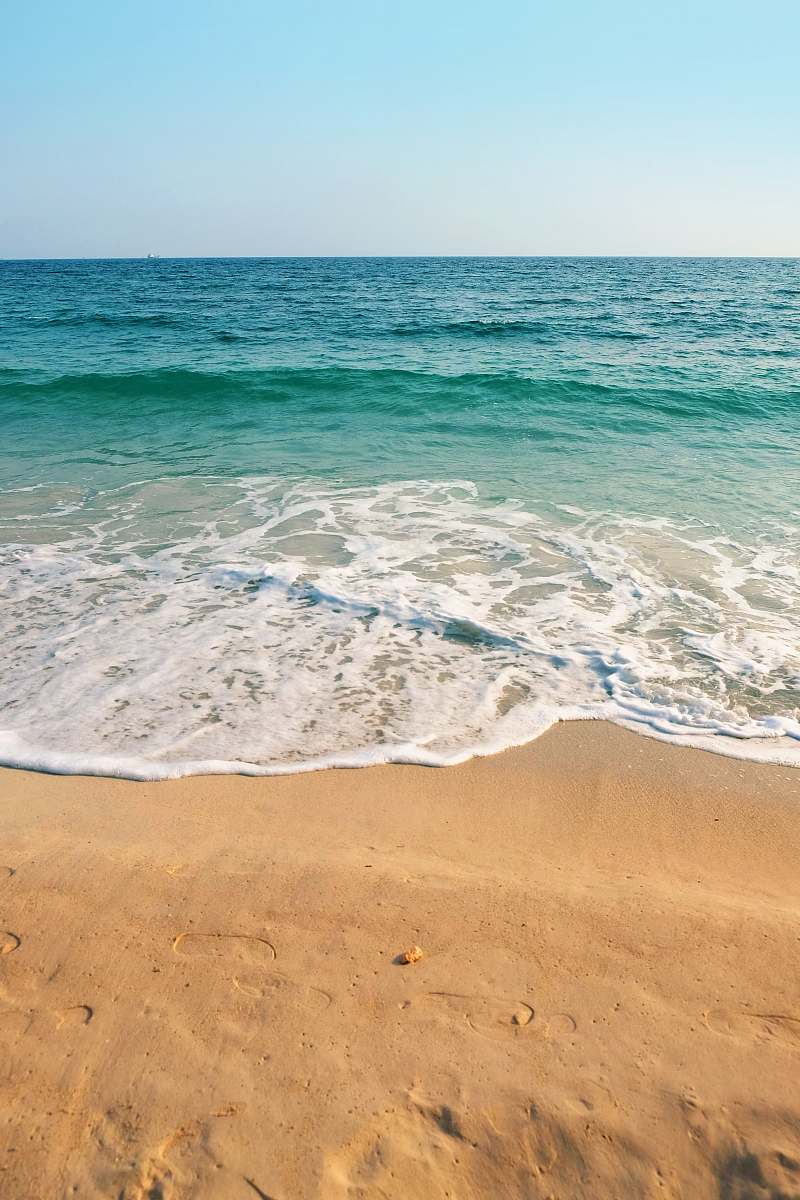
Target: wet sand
x,y
199,995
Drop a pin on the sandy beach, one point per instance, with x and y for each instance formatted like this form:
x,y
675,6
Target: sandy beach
x,y
199,995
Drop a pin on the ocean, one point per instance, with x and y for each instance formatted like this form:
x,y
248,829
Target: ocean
x,y
269,515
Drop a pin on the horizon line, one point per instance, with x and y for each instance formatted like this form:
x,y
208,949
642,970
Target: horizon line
x,y
151,257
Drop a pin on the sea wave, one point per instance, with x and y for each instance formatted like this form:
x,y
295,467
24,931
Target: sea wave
x,y
294,625
228,540
333,386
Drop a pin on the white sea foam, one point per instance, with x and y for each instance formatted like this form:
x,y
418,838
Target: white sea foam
x,y
186,626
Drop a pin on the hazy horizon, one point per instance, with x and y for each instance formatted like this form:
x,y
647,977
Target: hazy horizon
x,y
598,130
345,257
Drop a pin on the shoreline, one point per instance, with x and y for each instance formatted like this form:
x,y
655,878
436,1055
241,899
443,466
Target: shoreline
x,y
198,996
131,769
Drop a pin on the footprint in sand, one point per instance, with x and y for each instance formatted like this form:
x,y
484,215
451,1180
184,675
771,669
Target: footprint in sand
x,y
6,872
491,1017
427,1147
176,1165
761,1027
9,942
558,1026
239,948
18,1021
74,1016
503,1019
592,1099
278,987
250,957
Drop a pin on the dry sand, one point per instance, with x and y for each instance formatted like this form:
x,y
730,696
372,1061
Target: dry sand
x,y
198,996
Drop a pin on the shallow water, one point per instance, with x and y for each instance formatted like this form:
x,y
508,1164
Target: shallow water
x,y
281,513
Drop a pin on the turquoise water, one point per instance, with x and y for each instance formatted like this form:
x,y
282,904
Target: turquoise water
x,y
269,514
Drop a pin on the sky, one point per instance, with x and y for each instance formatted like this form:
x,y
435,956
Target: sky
x,y
361,127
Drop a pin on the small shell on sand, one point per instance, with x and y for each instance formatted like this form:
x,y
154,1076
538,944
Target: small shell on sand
x,y
412,955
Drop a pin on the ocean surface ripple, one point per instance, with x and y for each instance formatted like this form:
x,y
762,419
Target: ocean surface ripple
x,y
269,515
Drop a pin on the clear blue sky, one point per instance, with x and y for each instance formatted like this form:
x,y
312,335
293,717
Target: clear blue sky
x,y
364,127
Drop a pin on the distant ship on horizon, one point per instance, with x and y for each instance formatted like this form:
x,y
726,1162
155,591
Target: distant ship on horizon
x,y
151,255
